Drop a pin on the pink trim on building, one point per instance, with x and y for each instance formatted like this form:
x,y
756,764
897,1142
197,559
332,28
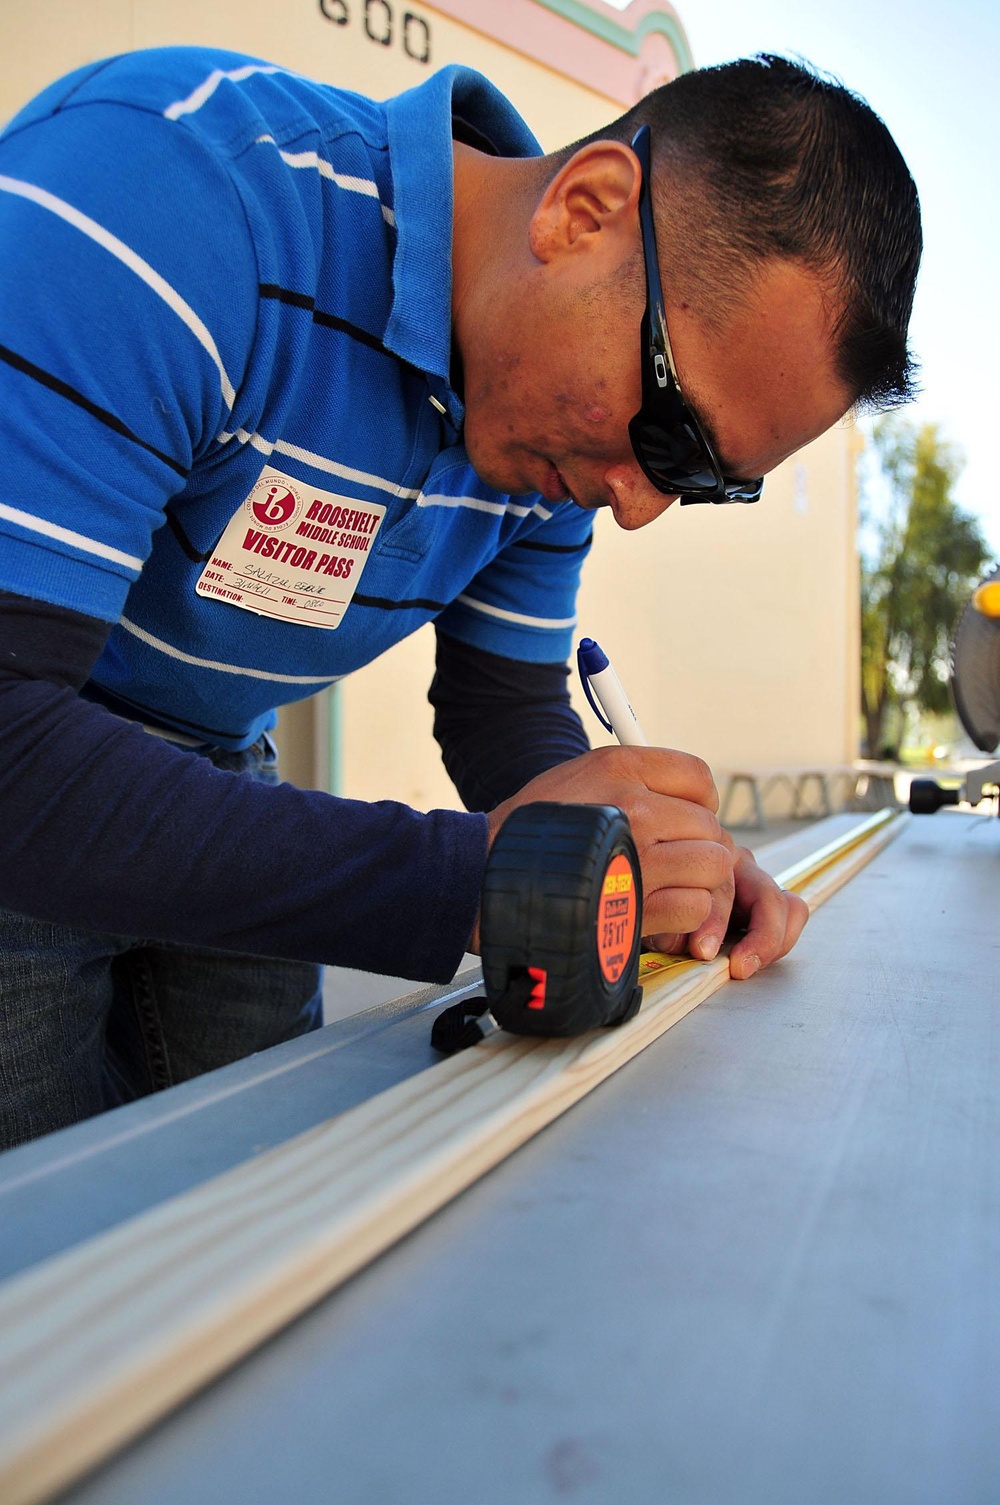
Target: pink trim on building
x,y
621,72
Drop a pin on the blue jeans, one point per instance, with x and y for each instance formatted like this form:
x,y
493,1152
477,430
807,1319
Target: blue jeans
x,y
89,1021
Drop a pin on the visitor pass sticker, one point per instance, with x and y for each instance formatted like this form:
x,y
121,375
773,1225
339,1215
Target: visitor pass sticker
x,y
292,552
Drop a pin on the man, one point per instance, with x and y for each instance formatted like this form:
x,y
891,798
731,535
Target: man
x,y
258,424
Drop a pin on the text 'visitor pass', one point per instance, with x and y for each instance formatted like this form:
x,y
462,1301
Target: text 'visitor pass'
x,y
292,552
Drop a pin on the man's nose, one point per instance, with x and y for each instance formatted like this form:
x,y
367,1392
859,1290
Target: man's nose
x,y
635,501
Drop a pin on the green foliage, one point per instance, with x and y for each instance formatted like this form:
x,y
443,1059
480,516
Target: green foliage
x,y
926,557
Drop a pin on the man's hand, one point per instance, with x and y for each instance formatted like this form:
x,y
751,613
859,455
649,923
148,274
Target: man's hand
x,y
670,800
695,879
772,917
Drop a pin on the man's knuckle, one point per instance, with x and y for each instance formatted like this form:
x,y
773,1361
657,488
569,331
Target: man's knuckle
x,y
707,782
702,770
701,908
717,834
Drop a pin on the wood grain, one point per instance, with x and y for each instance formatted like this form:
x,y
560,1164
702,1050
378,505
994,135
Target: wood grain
x,y
98,1342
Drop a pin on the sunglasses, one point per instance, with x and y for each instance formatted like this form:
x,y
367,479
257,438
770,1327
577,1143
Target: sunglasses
x,y
670,444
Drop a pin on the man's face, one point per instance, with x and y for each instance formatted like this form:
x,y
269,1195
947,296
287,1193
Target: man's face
x,y
551,389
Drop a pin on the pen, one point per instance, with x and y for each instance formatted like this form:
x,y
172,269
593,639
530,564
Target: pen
x,y
603,689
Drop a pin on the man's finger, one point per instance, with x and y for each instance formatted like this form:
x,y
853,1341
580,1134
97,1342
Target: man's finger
x,y
677,910
776,922
658,819
668,865
670,942
704,943
666,771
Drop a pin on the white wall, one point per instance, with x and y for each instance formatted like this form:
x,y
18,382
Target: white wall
x,y
734,629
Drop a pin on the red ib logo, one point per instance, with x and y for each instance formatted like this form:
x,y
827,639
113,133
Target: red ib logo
x,y
272,503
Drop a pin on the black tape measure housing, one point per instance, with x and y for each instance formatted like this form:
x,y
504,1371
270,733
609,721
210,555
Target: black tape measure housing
x,y
560,926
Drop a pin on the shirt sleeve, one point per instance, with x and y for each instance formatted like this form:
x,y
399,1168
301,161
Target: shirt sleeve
x,y
127,312
108,828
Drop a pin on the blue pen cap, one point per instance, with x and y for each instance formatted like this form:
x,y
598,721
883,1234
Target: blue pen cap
x,y
591,659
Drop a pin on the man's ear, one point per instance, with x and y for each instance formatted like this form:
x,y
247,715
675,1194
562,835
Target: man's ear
x,y
594,194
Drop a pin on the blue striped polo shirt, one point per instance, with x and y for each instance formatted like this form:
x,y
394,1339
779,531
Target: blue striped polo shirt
x,y
218,272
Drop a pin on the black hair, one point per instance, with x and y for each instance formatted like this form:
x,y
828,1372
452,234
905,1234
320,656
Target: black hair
x,y
767,157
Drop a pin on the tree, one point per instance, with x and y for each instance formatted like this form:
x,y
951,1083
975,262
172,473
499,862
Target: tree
x,y
923,560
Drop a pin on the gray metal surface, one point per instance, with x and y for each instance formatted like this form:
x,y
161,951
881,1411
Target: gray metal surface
x,y
760,1264
67,1186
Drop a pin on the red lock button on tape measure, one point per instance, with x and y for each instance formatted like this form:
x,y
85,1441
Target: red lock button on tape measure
x,y
560,927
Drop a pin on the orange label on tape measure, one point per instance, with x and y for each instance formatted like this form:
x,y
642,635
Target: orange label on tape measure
x,y
617,917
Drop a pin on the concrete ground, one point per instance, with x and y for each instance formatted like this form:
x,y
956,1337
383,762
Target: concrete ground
x,y
347,992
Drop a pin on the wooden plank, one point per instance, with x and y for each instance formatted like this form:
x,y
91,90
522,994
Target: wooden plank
x,y
96,1343
819,875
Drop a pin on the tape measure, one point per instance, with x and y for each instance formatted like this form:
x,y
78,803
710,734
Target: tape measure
x,y
560,927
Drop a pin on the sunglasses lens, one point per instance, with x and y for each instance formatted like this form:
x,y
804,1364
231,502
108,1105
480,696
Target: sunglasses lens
x,y
674,455
745,491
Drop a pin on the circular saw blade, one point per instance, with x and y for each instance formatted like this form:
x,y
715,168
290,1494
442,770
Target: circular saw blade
x,y
975,673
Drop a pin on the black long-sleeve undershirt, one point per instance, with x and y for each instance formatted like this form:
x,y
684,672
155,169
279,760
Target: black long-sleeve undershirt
x,y
106,827
500,722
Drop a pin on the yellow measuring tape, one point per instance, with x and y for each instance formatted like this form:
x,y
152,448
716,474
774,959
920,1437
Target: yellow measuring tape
x,y
794,878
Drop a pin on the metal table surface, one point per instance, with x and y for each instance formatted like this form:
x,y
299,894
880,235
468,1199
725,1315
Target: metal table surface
x,y
761,1263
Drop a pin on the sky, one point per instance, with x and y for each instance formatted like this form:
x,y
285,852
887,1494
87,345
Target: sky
x,y
930,71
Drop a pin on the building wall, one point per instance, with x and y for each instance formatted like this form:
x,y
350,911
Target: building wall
x,y
734,628
377,47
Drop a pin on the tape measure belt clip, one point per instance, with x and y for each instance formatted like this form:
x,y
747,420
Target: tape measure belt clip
x,y
560,927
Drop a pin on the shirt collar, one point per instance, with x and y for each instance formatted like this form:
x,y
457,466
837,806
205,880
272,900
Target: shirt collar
x,y
420,126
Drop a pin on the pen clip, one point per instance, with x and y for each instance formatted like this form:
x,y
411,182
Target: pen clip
x,y
585,680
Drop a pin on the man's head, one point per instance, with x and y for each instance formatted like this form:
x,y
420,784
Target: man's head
x,y
788,240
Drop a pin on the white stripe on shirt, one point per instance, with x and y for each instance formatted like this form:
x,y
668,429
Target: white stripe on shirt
x,y
482,504
326,170
66,535
205,90
129,258
516,616
210,663
268,447
320,462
